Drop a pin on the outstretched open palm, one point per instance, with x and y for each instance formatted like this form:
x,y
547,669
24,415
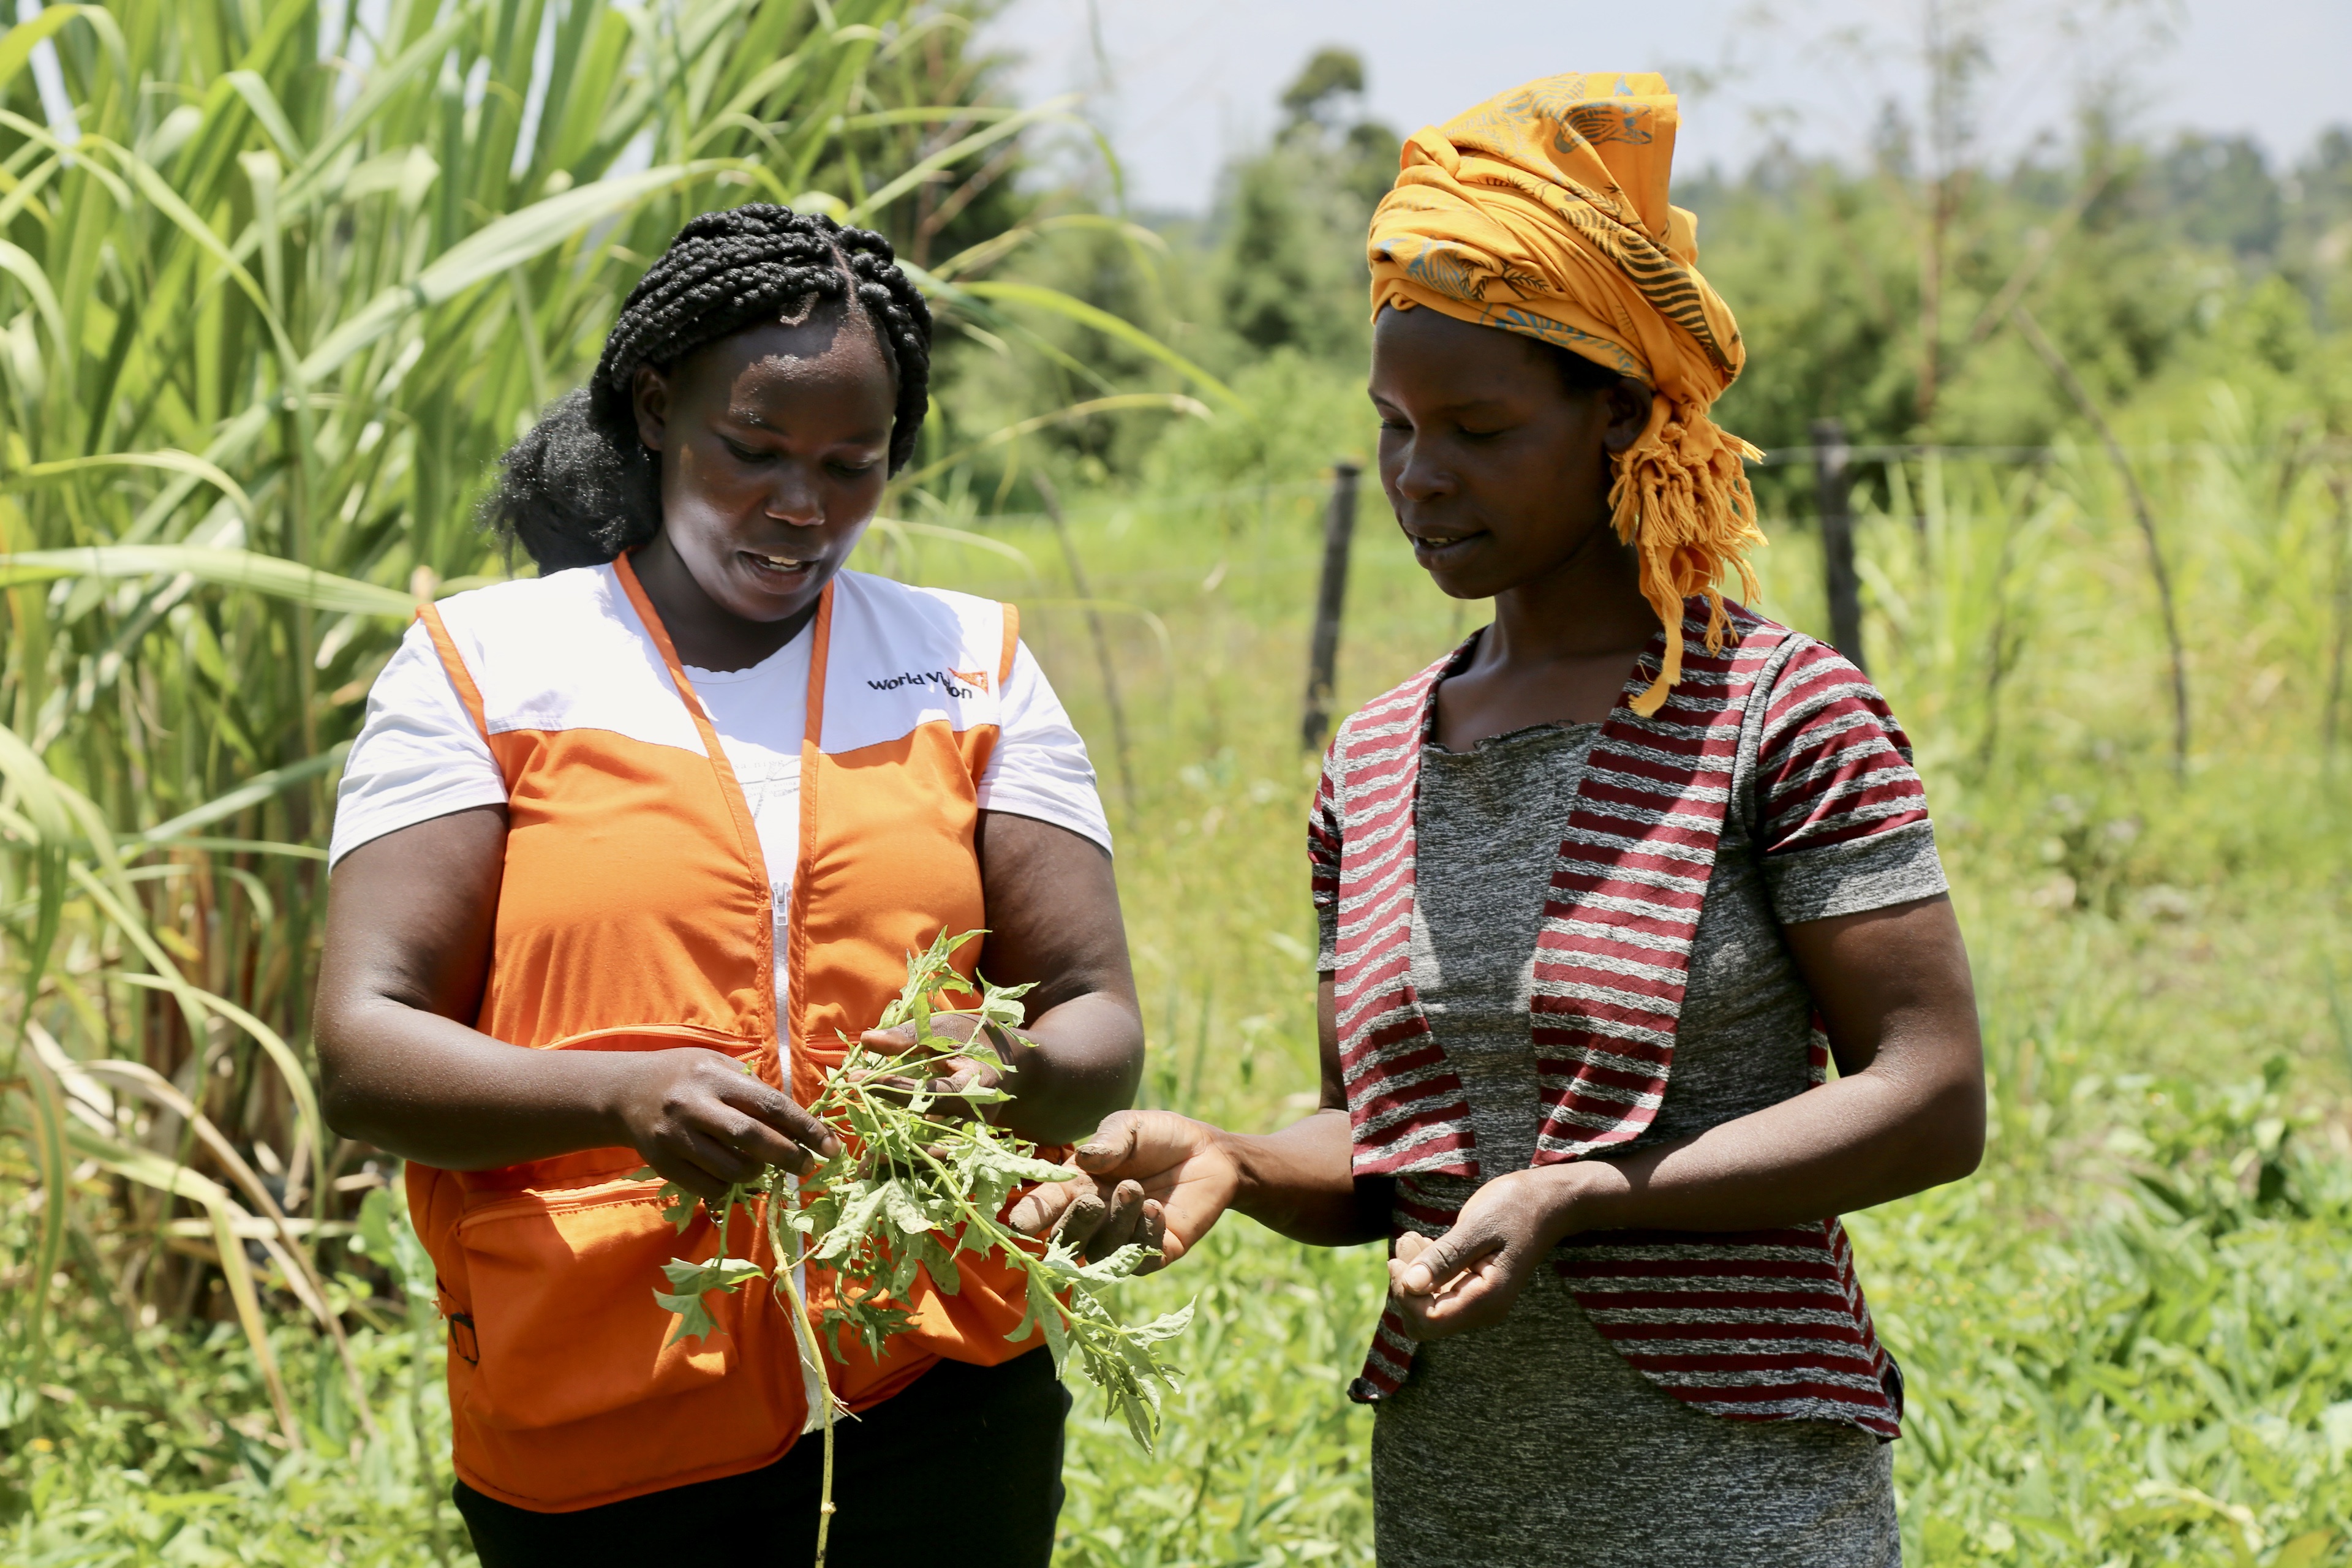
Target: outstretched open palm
x,y
1150,1177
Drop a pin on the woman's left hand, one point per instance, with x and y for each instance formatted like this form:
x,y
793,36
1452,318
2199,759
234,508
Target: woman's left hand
x,y
1469,1278
953,1075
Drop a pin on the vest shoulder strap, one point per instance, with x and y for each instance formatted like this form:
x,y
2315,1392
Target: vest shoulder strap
x,y
459,676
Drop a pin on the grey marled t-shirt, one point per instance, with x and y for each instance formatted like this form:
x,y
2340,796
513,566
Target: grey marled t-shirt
x,y
1533,1442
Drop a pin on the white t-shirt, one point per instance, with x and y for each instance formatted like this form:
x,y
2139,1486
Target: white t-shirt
x,y
419,755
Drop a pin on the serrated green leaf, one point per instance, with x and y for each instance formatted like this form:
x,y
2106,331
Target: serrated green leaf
x,y
904,1212
719,1274
1120,1264
1166,1326
864,1208
693,1322
945,1275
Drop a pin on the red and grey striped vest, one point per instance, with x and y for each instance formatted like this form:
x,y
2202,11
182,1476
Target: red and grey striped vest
x,y
1756,1325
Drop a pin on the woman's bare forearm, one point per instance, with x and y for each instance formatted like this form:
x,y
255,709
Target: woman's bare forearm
x,y
1893,987
430,1089
1054,923
1846,1146
1892,990
1072,1066
1913,1116
1298,1182
409,923
1907,1114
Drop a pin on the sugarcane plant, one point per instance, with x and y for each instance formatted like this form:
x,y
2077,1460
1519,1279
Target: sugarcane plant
x,y
922,1178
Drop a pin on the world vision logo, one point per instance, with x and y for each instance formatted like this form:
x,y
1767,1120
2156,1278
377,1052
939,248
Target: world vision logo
x,y
959,683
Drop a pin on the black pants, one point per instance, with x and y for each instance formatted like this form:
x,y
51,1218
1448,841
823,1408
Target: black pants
x,y
991,1435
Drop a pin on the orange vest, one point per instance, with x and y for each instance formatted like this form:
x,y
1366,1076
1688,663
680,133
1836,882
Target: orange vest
x,y
634,915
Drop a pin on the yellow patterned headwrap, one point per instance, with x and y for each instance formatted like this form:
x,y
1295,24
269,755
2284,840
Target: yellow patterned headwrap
x,y
1543,211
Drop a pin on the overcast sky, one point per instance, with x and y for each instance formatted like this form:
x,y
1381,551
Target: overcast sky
x,y
1180,85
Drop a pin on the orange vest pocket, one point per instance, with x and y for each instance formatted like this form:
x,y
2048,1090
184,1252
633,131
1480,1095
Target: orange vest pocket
x,y
577,1395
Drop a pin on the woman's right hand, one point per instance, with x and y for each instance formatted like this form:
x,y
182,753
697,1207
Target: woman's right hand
x,y
702,1120
1150,1177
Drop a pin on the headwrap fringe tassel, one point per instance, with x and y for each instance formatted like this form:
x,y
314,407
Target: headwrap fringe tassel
x,y
1681,498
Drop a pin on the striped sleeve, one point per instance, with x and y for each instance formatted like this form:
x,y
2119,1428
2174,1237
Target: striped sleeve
x,y
1832,766
1323,869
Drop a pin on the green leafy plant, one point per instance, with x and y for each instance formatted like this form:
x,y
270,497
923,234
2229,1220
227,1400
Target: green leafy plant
x,y
922,1178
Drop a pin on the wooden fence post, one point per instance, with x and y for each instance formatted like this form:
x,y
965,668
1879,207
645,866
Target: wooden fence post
x,y
1844,584
1322,661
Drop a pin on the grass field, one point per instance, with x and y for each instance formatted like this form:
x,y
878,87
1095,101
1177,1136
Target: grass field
x,y
2129,1339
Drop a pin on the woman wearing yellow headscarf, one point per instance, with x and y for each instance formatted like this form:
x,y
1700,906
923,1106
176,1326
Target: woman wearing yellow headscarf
x,y
1602,891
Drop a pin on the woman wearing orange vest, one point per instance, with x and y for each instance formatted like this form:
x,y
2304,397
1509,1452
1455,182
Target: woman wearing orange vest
x,y
671,815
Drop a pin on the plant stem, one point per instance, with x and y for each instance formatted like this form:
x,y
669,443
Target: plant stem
x,y
811,1357
824,1504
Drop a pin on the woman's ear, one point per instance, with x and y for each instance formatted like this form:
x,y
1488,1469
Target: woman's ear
x,y
1628,406
649,396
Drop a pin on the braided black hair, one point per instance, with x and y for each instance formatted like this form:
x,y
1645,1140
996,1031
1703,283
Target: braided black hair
x,y
579,488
